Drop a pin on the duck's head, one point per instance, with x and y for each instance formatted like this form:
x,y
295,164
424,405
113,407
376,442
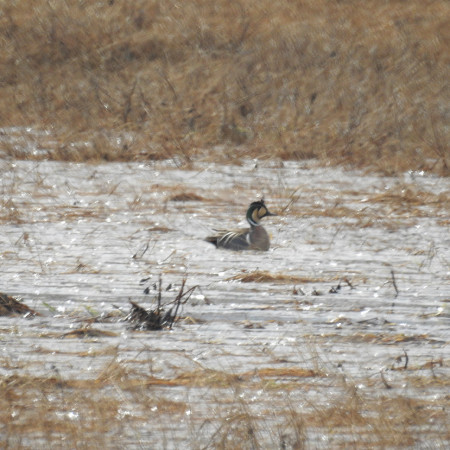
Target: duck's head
x,y
256,211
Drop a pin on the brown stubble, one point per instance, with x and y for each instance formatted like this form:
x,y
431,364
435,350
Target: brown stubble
x,y
368,411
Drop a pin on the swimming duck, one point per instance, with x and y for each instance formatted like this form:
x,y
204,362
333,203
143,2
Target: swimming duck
x,y
253,238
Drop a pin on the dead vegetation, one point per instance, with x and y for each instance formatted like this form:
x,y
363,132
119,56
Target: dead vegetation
x,y
186,197
263,276
406,200
9,306
337,82
88,332
150,320
88,412
158,318
377,338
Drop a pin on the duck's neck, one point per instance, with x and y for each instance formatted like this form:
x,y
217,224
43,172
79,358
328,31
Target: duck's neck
x,y
252,217
252,222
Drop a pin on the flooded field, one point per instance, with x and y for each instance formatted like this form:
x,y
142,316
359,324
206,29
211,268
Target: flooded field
x,y
336,337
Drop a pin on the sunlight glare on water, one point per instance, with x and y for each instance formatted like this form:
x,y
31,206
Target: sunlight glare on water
x,y
325,287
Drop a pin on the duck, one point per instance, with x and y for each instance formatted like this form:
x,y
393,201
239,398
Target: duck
x,y
253,238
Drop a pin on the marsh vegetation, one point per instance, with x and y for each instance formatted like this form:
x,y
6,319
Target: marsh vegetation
x,y
361,85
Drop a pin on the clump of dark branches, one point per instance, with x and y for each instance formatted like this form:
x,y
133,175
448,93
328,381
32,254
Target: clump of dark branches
x,y
160,317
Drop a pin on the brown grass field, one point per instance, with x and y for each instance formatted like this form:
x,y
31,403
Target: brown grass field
x,y
361,84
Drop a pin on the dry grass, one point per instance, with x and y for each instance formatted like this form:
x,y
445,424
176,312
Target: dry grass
x,y
262,276
186,197
401,205
121,403
384,338
345,83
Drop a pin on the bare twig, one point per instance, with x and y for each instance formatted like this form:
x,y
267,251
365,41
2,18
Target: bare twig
x,y
141,252
406,359
159,291
348,282
128,102
387,385
394,283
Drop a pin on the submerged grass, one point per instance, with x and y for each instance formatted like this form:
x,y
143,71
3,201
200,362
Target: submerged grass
x,y
249,410
340,82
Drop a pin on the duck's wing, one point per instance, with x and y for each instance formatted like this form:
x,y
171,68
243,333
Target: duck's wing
x,y
232,240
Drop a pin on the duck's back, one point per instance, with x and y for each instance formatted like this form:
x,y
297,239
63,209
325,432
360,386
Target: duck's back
x,y
230,240
255,238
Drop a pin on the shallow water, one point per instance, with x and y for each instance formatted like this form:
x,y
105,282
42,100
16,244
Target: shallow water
x,y
77,239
